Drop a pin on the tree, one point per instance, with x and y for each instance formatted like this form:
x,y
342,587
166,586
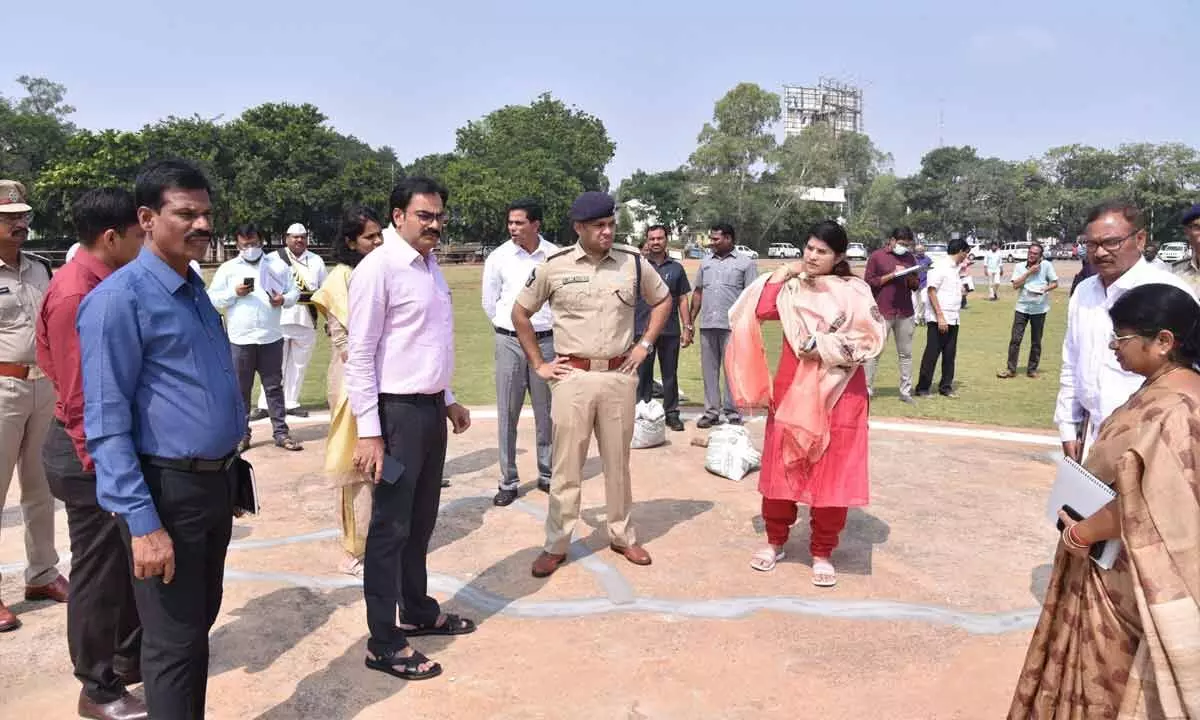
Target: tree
x,y
663,197
731,158
624,232
33,133
880,209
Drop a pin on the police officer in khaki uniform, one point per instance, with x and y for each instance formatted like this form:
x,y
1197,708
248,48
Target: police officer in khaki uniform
x,y
592,288
26,399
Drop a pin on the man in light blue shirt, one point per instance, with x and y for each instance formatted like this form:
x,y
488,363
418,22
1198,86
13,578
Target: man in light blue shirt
x,y
251,289
1035,280
162,416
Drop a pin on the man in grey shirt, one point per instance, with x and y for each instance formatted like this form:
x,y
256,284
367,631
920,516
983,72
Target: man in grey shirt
x,y
721,279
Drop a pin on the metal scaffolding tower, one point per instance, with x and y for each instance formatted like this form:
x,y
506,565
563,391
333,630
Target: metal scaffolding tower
x,y
835,103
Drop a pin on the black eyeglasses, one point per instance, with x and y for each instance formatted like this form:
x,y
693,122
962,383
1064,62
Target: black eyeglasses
x,y
1109,244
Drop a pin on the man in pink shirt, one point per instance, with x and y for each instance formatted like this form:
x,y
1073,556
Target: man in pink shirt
x,y
398,368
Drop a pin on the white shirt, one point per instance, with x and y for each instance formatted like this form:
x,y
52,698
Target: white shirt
x,y
1092,381
505,272
943,277
401,330
251,320
312,269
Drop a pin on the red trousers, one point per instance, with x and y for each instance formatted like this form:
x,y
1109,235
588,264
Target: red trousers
x,y
825,523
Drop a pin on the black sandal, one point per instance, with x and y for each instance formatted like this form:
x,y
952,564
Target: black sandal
x,y
410,667
454,625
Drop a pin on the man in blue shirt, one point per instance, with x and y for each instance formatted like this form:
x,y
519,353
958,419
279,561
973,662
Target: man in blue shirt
x,y
1035,279
252,289
163,415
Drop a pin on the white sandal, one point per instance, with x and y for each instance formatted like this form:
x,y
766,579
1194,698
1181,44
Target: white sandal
x,y
764,560
824,574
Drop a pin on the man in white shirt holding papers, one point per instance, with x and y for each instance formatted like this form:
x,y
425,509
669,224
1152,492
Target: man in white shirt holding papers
x,y
507,269
1092,384
252,289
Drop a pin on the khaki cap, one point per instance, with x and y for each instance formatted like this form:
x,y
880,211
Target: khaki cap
x,y
12,197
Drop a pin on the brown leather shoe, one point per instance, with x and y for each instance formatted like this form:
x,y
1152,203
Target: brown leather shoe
x,y
8,621
635,554
56,591
546,564
127,707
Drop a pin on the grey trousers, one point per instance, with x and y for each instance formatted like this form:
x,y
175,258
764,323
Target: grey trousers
x,y
513,378
712,365
902,329
267,361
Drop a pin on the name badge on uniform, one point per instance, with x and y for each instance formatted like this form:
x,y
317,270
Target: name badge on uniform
x,y
576,279
5,290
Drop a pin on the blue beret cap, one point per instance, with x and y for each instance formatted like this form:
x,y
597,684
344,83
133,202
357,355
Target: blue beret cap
x,y
592,205
1191,214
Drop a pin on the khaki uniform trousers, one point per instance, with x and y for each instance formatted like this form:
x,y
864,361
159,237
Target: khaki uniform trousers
x,y
26,409
584,402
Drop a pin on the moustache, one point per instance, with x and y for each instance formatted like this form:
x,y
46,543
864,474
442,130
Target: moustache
x,y
433,234
198,235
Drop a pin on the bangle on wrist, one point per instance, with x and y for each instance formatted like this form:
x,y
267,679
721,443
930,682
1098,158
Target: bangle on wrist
x,y
1071,539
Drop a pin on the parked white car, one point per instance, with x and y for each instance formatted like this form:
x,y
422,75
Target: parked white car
x,y
783,250
1173,252
856,251
936,250
1015,252
745,252
979,252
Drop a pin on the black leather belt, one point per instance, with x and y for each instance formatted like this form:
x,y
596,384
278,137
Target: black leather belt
x,y
541,335
192,465
413,398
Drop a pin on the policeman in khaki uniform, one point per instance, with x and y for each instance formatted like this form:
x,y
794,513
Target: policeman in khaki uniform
x,y
26,400
592,289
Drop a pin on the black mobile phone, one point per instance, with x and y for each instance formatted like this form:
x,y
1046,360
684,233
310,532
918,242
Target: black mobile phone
x,y
1071,513
249,282
393,470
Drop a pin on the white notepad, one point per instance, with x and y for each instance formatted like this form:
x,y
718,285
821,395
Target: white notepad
x,y
1086,494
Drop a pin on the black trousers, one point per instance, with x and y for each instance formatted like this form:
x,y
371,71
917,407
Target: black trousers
x,y
104,635
267,361
197,512
402,519
1020,320
666,348
938,344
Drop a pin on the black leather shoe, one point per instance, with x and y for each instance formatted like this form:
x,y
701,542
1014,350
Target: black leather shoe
x,y
258,415
705,422
675,423
734,421
504,498
127,707
298,412
544,486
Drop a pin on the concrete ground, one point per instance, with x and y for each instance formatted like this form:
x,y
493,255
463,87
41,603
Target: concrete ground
x,y
939,586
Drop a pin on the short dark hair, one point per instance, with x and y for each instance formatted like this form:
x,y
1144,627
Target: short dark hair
x,y
246,230
102,209
1121,207
903,233
354,221
1150,309
956,246
403,193
834,235
725,229
1038,245
531,208
658,226
162,175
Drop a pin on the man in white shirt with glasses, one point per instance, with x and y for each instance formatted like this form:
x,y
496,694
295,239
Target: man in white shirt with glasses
x,y
506,271
1092,384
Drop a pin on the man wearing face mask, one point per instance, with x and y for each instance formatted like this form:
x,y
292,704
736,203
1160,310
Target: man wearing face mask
x,y
299,320
252,289
892,282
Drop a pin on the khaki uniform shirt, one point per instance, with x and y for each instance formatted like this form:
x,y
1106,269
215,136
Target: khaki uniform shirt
x,y
592,302
21,291
1187,270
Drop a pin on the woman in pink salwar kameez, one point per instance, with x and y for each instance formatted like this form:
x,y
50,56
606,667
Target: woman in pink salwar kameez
x,y
815,451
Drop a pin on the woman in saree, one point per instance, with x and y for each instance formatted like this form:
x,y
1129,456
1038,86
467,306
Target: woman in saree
x,y
360,233
815,449
1125,643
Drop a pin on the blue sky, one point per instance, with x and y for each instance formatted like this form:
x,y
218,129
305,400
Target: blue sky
x,y
1012,79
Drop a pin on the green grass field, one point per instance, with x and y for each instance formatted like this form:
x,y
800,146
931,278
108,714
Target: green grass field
x,y
982,346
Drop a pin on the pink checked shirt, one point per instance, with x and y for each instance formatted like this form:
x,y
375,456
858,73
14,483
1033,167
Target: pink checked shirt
x,y
401,330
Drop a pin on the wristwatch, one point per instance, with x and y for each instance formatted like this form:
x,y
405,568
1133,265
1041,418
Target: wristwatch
x,y
647,346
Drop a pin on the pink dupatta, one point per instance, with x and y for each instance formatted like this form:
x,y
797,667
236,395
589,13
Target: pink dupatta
x,y
841,315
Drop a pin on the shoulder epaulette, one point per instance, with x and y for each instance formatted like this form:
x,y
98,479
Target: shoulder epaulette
x,y
560,253
627,249
45,262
